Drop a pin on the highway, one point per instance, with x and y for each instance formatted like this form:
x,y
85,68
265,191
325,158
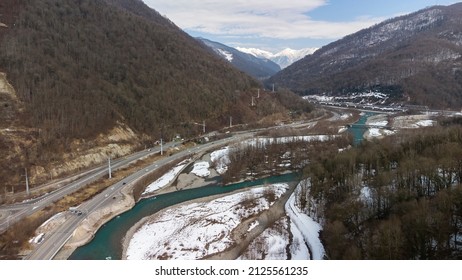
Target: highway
x,y
10,214
53,242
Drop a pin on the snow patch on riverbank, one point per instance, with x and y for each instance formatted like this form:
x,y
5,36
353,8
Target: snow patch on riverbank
x,y
201,169
163,181
220,159
195,230
378,132
379,128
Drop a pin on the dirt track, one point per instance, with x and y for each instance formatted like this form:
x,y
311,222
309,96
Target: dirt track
x,y
241,235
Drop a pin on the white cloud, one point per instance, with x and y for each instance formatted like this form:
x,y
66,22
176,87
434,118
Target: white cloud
x,y
282,19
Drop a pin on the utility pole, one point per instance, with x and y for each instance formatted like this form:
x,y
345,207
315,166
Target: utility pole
x,y
162,140
27,183
109,168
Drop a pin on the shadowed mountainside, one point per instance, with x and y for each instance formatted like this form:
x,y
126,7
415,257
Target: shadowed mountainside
x,y
415,58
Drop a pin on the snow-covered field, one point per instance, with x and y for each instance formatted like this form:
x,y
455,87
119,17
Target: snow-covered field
x,y
195,230
163,181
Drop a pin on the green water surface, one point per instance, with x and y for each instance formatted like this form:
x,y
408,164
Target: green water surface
x,y
358,131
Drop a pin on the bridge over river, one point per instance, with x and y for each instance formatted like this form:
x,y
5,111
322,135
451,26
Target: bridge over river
x,y
366,126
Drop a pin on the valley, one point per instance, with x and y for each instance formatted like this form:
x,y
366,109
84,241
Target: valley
x,y
126,136
76,230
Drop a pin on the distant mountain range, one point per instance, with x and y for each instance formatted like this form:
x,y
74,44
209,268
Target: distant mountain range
x,y
414,58
256,67
283,58
256,62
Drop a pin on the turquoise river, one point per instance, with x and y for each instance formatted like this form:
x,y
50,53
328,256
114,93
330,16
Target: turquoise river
x,y
107,243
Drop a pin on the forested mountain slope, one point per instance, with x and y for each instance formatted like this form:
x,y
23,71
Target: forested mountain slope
x,y
415,58
80,66
108,70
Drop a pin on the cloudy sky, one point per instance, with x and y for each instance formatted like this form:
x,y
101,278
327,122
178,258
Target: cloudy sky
x,y
277,24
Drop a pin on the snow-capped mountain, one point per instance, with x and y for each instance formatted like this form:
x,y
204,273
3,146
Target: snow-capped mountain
x,y
258,67
283,58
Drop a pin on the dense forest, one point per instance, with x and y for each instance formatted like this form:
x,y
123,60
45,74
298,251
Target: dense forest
x,y
396,198
81,66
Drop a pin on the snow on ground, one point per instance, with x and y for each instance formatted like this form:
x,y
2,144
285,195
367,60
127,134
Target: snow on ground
x,y
413,121
195,230
163,181
221,160
201,169
378,123
271,244
425,123
253,225
374,95
319,98
366,195
47,226
374,132
307,227
38,239
54,218
378,129
226,55
345,116
379,132
261,141
298,248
